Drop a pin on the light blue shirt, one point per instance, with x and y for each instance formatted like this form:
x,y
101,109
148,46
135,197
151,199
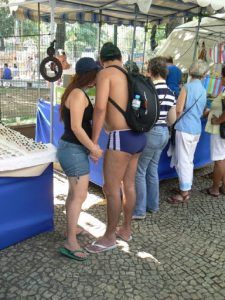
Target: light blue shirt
x,y
191,121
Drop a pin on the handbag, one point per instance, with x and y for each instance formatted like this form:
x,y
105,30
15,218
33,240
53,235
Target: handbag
x,y
222,125
173,134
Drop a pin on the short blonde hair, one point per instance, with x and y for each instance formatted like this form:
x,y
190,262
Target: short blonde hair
x,y
198,68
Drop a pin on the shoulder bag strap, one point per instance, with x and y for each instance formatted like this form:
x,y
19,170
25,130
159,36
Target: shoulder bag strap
x,y
183,114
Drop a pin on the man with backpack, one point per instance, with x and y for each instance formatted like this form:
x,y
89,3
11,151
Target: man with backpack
x,y
123,150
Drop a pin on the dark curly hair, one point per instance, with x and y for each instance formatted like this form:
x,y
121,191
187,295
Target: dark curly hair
x,y
157,66
109,51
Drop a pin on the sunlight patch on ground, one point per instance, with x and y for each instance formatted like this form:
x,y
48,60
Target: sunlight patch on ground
x,y
148,256
123,245
91,224
61,190
92,200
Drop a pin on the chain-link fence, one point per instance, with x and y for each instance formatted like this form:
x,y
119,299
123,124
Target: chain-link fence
x,y
22,52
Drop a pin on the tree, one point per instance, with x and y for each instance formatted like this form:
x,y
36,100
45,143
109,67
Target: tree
x,y
80,36
29,28
6,25
60,35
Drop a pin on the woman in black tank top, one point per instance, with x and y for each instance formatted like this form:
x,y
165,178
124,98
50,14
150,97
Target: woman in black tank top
x,y
74,147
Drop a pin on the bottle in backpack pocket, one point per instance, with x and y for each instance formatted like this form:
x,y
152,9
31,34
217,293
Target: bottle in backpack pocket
x,y
136,102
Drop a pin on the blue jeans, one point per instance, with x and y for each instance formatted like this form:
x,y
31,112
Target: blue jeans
x,y
147,178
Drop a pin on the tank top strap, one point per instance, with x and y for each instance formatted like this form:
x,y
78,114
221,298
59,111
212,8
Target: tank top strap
x,y
86,95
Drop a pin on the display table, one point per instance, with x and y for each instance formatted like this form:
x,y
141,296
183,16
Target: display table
x,y
26,187
26,207
202,154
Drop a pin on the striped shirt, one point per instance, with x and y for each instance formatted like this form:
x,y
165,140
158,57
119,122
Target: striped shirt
x,y
166,99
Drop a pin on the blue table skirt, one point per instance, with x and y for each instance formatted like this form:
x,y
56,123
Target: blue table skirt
x,y
202,154
26,207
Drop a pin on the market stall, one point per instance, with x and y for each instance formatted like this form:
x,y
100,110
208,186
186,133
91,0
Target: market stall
x,y
202,155
27,202
181,42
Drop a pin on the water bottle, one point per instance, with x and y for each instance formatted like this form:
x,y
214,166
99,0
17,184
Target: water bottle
x,y
136,102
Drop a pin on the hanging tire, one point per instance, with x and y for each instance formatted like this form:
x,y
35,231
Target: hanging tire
x,y
58,71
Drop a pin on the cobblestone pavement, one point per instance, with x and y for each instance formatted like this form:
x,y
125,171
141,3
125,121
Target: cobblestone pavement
x,y
178,253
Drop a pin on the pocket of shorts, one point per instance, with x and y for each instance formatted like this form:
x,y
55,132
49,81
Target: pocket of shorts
x,y
62,145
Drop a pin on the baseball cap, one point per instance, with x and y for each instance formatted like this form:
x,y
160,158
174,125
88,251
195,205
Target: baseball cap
x,y
86,64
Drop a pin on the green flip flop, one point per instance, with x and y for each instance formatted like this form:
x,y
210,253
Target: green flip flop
x,y
72,254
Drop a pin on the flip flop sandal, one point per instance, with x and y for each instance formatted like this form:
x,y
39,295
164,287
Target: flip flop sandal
x,y
101,248
208,192
72,254
178,198
122,237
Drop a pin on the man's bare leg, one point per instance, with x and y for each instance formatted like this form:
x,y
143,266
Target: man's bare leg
x,y
115,165
129,198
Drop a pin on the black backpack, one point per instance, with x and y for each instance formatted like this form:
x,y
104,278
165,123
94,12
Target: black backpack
x,y
146,116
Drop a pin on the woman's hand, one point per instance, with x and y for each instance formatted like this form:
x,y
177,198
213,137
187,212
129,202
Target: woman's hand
x,y
206,112
96,152
215,120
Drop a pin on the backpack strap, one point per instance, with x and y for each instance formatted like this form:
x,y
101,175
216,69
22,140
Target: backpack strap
x,y
117,107
118,68
110,99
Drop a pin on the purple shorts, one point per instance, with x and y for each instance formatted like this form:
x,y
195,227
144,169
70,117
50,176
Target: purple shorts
x,y
126,140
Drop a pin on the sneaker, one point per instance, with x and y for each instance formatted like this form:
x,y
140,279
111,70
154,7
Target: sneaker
x,y
152,211
136,217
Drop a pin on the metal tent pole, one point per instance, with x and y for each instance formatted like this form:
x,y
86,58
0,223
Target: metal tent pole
x,y
145,38
197,34
99,31
115,34
39,52
52,3
134,32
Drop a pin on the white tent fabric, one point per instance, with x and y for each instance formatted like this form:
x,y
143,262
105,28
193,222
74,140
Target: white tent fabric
x,y
144,5
215,4
181,42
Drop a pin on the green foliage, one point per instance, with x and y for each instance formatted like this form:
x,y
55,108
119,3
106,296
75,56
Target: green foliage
x,y
6,23
30,28
80,36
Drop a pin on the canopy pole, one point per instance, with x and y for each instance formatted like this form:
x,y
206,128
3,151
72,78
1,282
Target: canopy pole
x,y
115,34
197,35
145,38
99,31
134,32
39,51
52,3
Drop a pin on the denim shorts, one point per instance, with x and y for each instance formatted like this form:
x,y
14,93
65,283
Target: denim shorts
x,y
73,159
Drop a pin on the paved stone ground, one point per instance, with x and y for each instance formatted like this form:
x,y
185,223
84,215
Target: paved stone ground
x,y
178,253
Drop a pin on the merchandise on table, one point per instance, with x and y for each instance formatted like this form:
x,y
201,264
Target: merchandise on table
x,y
19,152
